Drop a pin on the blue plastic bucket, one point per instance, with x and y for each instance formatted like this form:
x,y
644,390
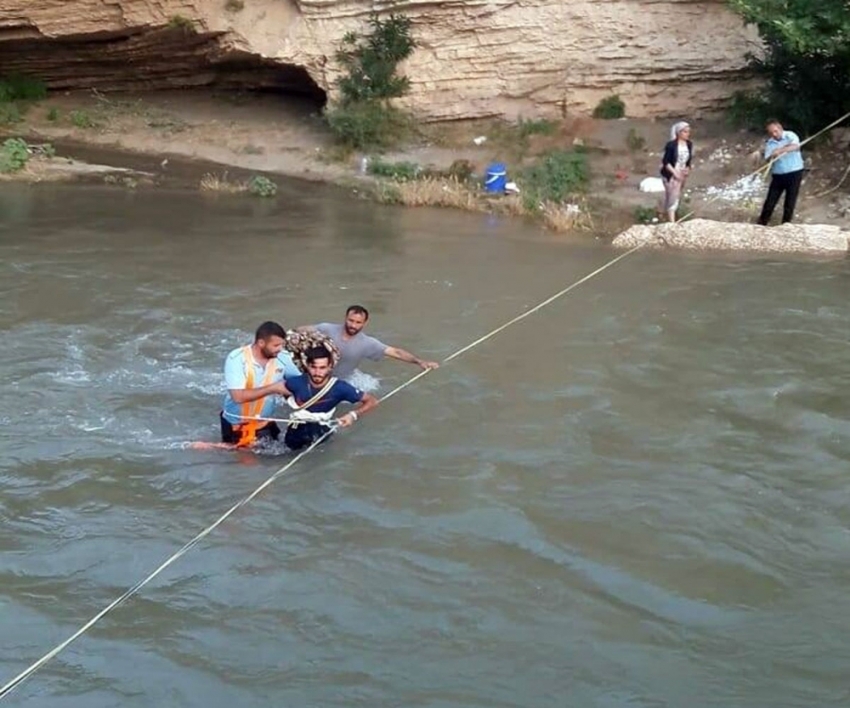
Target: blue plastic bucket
x,y
496,178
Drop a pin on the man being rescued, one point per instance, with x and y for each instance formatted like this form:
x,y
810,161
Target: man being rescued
x,y
315,396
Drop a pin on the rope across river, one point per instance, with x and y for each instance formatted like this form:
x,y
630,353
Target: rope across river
x,y
15,682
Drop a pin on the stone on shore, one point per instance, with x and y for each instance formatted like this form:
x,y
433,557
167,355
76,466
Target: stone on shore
x,y
708,235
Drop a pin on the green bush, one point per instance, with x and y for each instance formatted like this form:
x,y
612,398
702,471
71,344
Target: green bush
x,y
53,114
542,126
556,176
398,171
262,186
367,124
806,61
645,215
14,155
184,24
370,62
81,119
610,108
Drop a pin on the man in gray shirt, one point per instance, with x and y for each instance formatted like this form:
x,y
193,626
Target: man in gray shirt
x,y
355,346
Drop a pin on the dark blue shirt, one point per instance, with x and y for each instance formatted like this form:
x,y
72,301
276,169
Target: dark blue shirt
x,y
302,390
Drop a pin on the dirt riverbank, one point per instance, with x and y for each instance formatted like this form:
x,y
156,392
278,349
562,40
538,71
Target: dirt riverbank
x,y
240,134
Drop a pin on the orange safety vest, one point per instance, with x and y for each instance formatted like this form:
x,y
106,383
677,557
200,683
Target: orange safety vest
x,y
248,428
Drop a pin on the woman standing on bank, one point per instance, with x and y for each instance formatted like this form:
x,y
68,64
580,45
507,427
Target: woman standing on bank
x,y
678,155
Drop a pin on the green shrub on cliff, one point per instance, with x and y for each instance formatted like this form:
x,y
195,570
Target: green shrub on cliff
x,y
610,108
183,24
371,62
806,61
363,117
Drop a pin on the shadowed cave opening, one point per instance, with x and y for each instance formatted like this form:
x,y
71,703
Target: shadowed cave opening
x,y
152,61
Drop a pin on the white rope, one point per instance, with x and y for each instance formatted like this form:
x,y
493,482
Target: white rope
x,y
263,419
30,670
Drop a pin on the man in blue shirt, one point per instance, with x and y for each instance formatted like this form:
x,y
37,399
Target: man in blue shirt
x,y
314,398
254,375
783,149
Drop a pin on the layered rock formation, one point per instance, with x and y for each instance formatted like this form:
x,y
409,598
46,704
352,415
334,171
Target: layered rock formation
x,y
475,57
707,235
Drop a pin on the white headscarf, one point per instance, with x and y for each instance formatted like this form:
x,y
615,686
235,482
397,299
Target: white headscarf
x,y
678,128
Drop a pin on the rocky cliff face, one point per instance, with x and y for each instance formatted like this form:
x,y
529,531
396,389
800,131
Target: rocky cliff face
x,y
475,58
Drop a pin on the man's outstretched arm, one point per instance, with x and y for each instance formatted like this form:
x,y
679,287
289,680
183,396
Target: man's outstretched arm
x,y
404,355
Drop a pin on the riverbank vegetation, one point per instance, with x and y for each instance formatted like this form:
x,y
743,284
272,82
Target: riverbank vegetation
x,y
551,188
258,185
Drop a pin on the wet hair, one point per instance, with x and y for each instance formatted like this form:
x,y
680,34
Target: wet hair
x,y
269,329
314,353
357,310
772,121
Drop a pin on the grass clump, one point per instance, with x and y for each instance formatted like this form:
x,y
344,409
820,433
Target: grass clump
x,y
258,185
610,108
81,119
363,117
220,183
431,191
542,126
397,171
566,217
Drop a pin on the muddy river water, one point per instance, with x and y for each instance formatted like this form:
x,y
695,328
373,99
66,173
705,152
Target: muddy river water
x,y
639,496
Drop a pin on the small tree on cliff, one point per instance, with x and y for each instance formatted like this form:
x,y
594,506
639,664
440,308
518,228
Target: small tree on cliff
x,y
806,59
364,117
